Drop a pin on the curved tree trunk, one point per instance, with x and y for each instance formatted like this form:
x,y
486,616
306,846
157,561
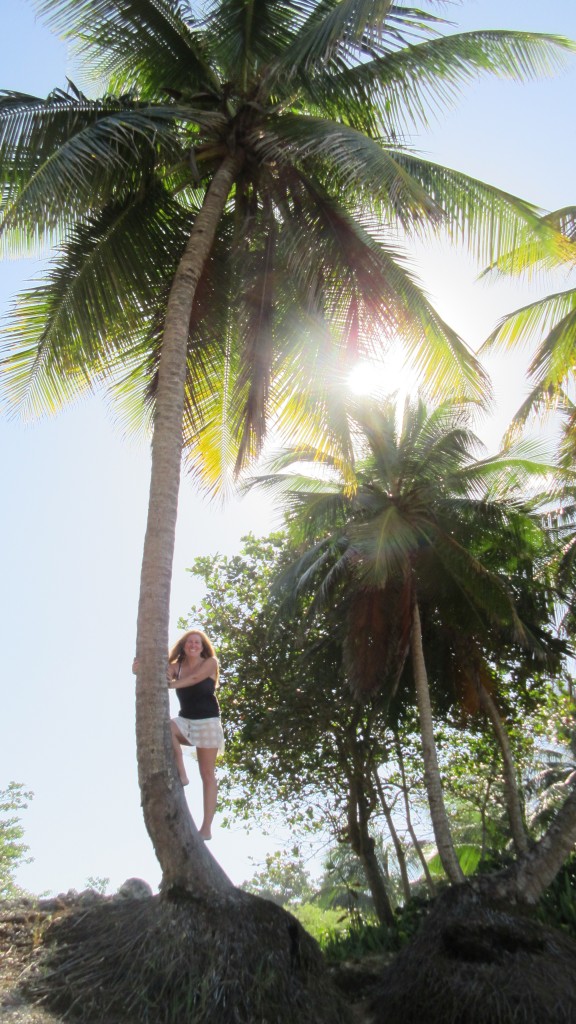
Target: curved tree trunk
x,y
400,856
526,879
432,779
511,791
183,856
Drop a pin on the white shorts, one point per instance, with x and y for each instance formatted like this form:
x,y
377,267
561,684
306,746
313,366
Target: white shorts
x,y
202,732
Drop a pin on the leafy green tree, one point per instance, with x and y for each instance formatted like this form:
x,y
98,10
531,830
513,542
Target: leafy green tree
x,y
408,547
212,212
554,764
13,851
283,879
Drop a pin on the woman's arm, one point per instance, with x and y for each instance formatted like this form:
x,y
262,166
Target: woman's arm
x,y
207,669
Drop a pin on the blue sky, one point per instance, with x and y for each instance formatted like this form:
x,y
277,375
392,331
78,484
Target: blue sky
x,y
75,491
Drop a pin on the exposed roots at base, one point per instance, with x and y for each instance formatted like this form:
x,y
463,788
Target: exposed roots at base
x,y
233,959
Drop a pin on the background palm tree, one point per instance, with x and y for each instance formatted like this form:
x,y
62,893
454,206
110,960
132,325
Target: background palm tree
x,y
551,322
214,212
412,535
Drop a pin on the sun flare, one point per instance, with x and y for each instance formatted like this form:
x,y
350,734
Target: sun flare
x,y
372,377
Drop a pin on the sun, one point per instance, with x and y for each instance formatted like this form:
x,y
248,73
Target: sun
x,y
382,377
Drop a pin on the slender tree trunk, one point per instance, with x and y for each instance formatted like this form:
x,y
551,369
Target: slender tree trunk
x,y
483,810
400,856
183,856
432,779
364,847
511,791
410,826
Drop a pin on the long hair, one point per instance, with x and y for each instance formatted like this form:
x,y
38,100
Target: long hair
x,y
177,653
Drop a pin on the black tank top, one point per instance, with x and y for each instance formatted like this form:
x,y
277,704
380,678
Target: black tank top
x,y
199,700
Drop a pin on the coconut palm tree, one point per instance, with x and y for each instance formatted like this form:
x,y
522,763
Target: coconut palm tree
x,y
410,537
224,209
550,321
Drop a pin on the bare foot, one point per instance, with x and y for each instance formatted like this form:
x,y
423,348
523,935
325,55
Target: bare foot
x,y
185,781
205,835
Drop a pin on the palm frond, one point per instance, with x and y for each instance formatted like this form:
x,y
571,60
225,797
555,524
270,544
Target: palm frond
x,y
402,187
359,163
63,156
210,440
97,302
256,318
383,545
545,252
485,218
408,86
154,45
534,320
436,442
309,390
334,28
210,430
484,592
553,367
513,473
247,35
369,294
542,401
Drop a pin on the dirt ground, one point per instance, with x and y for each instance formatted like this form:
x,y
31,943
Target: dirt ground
x,y
21,925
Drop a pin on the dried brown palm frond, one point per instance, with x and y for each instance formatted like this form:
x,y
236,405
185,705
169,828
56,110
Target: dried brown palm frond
x,y
235,959
476,964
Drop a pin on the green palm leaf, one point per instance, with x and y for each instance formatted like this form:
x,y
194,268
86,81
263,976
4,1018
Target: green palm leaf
x,y
555,360
545,316
248,36
334,27
403,89
61,157
150,43
487,219
91,315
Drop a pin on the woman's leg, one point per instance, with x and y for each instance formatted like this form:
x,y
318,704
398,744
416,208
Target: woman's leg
x,y
178,741
207,763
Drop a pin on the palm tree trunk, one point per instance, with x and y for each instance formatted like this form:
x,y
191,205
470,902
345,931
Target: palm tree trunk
x,y
183,856
415,841
432,779
511,792
400,856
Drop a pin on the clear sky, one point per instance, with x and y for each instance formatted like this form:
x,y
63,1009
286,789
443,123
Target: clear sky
x,y
74,491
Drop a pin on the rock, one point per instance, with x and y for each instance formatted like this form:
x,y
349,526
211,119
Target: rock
x,y
89,896
134,889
